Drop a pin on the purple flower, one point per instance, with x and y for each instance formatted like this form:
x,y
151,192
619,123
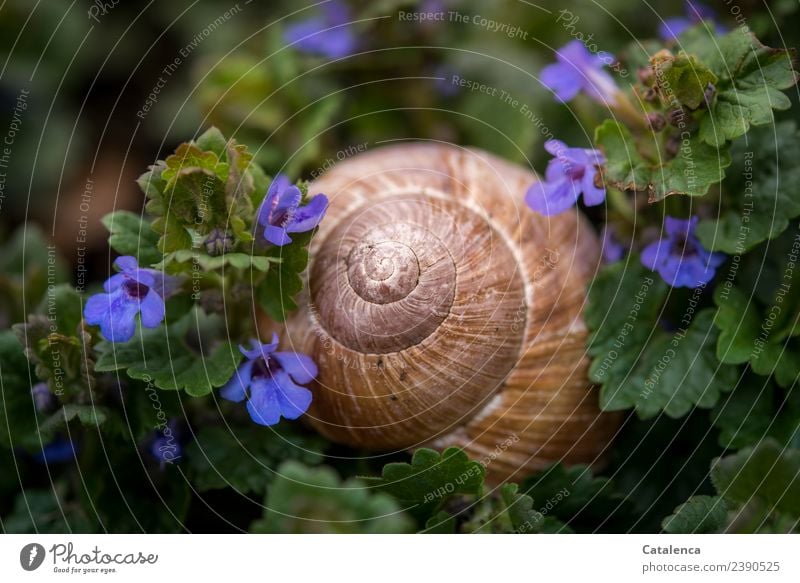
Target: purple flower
x,y
679,257
44,400
56,452
327,35
571,173
672,28
579,70
281,213
166,445
128,293
218,242
267,380
613,249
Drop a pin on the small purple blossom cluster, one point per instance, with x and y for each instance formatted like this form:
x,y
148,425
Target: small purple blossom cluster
x,y
268,378
678,256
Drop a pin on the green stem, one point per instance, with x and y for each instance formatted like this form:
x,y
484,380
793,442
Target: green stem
x,y
621,203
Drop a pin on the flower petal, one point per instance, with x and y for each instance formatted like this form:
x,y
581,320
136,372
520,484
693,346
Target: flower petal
x,y
651,255
551,198
126,263
153,309
309,216
115,313
564,81
263,404
592,195
277,236
300,367
293,399
258,349
114,282
236,389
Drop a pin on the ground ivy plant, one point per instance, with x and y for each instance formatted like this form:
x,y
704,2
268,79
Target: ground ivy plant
x,y
693,319
696,308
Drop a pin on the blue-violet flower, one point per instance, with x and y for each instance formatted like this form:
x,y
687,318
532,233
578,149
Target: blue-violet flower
x,y
571,173
679,257
672,28
128,293
579,70
267,379
43,398
327,35
281,213
58,451
166,445
613,249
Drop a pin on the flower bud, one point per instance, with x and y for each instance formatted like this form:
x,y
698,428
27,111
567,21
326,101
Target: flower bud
x,y
218,242
656,121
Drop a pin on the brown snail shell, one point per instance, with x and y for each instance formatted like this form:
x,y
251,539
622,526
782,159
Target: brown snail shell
x,y
442,311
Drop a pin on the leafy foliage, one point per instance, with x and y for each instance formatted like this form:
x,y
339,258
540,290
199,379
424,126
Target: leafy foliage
x,y
767,474
430,479
692,172
244,458
681,78
181,356
16,401
57,343
699,515
204,185
131,234
639,364
751,78
762,196
314,500
276,293
765,340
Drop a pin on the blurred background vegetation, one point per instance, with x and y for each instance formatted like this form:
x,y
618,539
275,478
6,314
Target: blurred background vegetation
x,y
97,115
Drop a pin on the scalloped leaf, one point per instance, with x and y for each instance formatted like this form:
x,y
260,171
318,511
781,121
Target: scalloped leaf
x,y
164,354
430,479
698,515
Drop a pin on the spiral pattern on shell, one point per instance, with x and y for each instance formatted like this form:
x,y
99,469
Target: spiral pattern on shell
x,y
441,311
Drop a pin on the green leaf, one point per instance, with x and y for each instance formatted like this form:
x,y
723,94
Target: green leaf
x,y
89,416
430,479
314,500
763,197
573,496
699,515
204,186
276,294
756,409
767,475
132,235
524,517
692,172
747,334
46,512
245,458
440,523
16,401
625,168
207,262
681,78
28,266
57,343
751,77
640,365
165,356
212,140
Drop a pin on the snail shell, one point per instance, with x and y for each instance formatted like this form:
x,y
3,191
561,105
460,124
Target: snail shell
x,y
441,311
